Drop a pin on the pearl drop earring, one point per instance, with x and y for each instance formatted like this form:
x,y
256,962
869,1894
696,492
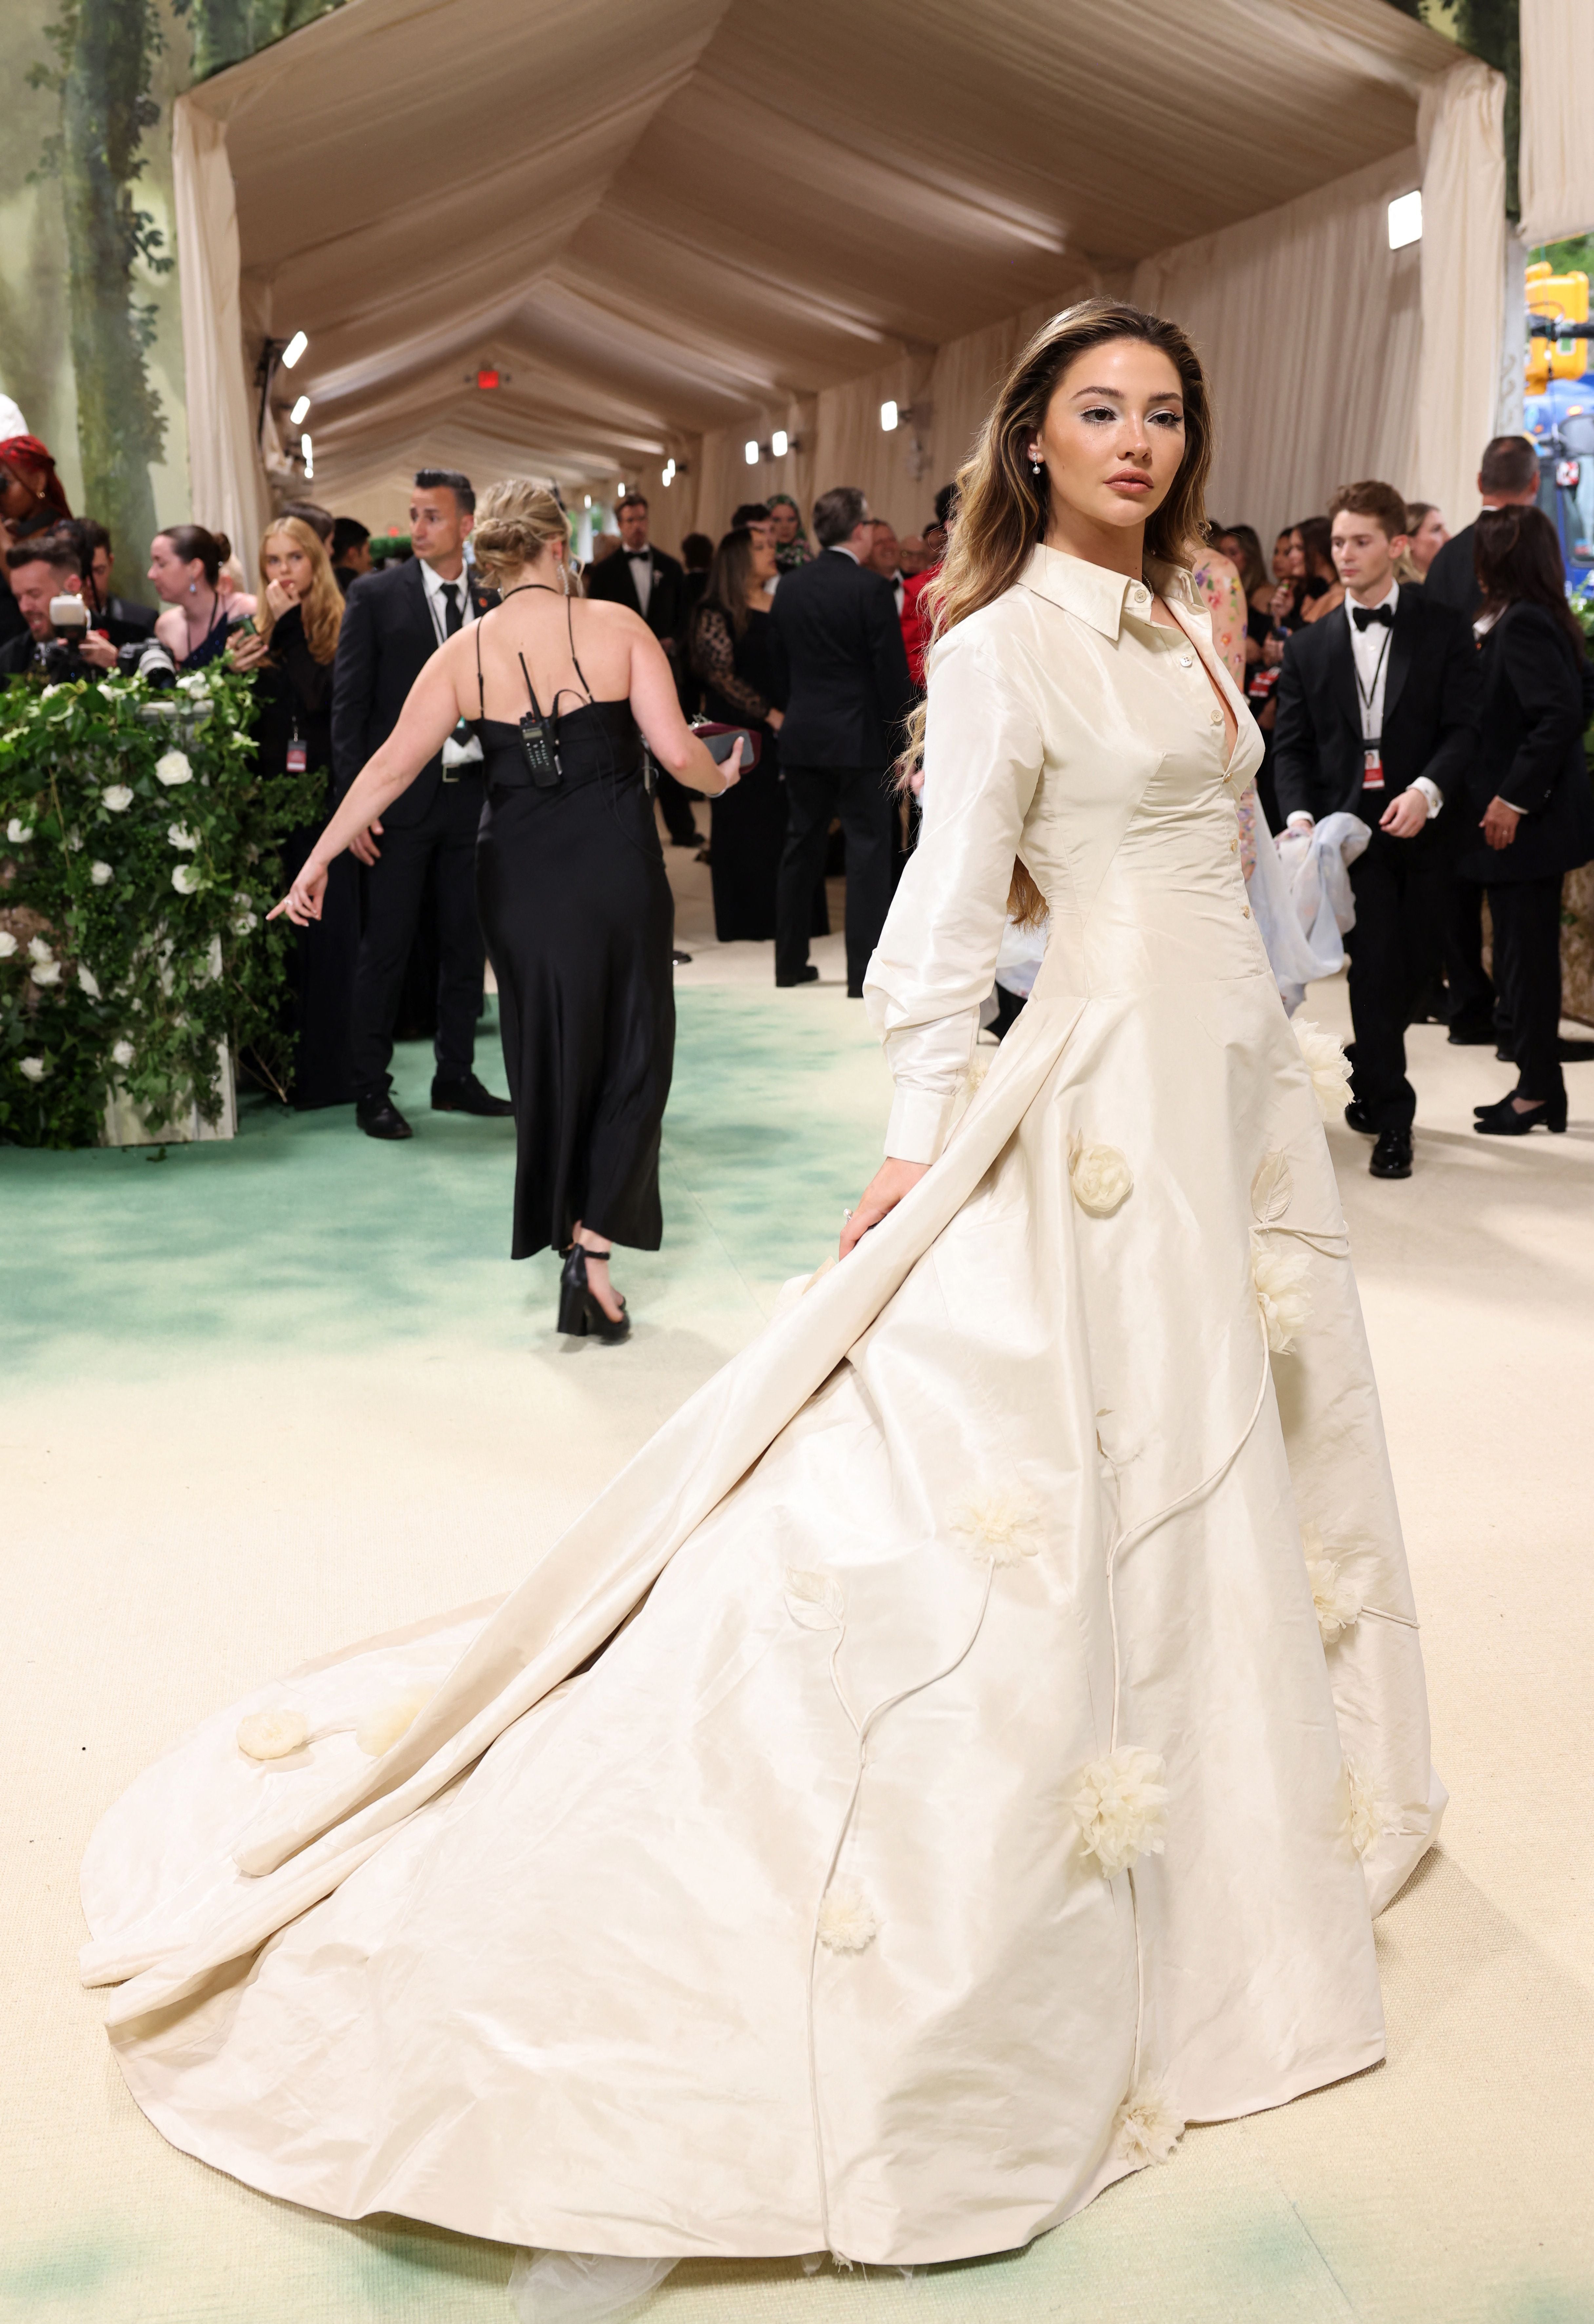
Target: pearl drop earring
x,y
1036,464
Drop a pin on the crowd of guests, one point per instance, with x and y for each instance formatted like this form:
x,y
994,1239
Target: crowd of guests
x,y
1433,690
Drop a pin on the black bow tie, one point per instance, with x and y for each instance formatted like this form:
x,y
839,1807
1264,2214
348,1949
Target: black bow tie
x,y
645,554
1363,615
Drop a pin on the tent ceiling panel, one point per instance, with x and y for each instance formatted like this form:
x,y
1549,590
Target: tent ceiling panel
x,y
662,214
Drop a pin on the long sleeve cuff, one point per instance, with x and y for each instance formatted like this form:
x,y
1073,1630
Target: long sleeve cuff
x,y
919,1127
1431,793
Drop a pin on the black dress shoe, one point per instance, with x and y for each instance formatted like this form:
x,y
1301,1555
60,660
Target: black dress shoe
x,y
1356,1115
379,1117
1503,1121
467,1097
680,959
809,975
1392,1156
1473,1033
582,1315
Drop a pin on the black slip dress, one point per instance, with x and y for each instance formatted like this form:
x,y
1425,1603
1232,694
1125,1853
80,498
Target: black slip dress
x,y
578,919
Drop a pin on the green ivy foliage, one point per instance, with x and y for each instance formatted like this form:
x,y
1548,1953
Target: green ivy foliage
x,y
139,854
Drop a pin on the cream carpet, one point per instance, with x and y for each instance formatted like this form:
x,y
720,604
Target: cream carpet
x,y
259,1400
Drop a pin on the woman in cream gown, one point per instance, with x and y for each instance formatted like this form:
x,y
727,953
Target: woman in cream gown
x,y
971,1740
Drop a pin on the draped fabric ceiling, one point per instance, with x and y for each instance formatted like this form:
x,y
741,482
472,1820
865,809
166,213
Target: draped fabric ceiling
x,y
673,223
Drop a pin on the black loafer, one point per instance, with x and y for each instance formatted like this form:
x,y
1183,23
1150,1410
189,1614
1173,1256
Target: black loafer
x,y
1356,1115
379,1117
468,1096
809,975
1392,1156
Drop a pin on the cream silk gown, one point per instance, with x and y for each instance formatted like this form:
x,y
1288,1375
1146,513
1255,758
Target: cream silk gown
x,y
1010,1712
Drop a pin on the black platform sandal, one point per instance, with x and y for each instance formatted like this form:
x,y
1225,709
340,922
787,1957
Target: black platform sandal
x,y
580,1311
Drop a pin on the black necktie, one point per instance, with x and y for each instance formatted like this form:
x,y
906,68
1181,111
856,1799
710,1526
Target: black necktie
x,y
1363,615
455,618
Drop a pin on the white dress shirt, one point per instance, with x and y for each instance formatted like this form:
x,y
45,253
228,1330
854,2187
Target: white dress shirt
x,y
456,754
642,575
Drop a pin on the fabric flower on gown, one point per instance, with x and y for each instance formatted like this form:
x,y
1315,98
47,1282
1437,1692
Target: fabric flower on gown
x,y
1101,1177
273,1734
1366,1817
1336,1601
1005,1527
1121,1806
1283,1293
380,1729
1327,1065
1147,2128
847,1922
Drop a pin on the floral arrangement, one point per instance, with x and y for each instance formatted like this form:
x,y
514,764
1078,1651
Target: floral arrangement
x,y
139,857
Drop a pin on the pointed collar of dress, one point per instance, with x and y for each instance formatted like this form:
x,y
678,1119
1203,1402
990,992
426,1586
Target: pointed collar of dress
x,y
1101,597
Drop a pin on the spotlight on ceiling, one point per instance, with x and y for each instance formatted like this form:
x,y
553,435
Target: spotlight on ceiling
x,y
667,474
890,415
293,350
310,461
751,450
780,443
1405,220
296,416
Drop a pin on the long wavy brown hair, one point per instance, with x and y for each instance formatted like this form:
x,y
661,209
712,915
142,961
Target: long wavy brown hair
x,y
321,607
1003,508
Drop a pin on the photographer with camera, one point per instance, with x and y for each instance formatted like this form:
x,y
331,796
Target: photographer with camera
x,y
47,583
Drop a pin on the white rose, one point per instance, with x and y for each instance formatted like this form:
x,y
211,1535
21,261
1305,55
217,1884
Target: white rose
x,y
47,972
7,943
186,879
75,841
118,797
181,836
246,923
88,983
1101,1178
194,681
39,950
121,1053
33,1069
18,832
172,768
101,874
273,1734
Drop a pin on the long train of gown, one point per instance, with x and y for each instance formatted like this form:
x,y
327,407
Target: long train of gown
x,y
816,1909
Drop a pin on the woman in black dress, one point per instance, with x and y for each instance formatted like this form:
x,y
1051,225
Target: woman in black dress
x,y
575,904
737,659
1531,797
298,614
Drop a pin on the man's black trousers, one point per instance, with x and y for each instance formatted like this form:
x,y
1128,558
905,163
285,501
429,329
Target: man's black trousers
x,y
862,798
445,839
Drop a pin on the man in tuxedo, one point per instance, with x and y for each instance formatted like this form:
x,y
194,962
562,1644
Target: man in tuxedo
x,y
392,623
350,551
850,691
1507,477
1378,713
655,587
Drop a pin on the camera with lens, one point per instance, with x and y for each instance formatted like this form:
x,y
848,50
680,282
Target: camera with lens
x,y
148,659
61,657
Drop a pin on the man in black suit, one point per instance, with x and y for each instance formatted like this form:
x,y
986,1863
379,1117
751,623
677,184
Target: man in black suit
x,y
392,623
654,585
1378,713
1507,477
850,693
350,551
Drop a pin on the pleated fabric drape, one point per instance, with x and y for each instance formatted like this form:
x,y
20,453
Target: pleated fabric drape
x,y
227,485
1308,324
1556,173
1460,137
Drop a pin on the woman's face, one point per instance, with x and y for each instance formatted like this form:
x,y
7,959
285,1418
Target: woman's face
x,y
761,549
1114,439
287,562
1428,540
784,518
173,579
1281,558
1295,559
18,497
